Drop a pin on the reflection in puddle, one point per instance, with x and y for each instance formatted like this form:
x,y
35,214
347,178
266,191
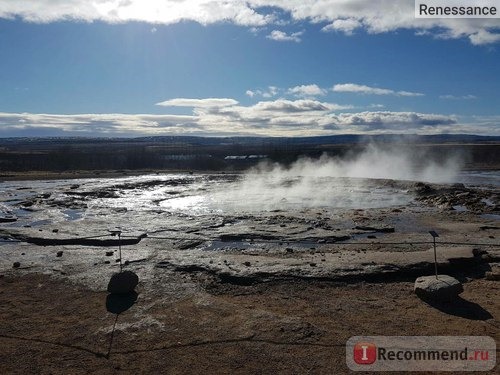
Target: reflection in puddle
x,y
228,245
40,222
196,203
73,215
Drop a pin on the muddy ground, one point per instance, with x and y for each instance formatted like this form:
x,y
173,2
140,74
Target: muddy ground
x,y
280,291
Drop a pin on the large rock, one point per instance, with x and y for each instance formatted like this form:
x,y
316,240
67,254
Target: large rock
x,y
123,282
494,274
443,288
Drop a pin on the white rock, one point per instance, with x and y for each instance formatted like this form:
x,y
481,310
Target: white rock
x,y
443,288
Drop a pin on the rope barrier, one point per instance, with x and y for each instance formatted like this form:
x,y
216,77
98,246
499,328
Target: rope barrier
x,y
339,243
277,241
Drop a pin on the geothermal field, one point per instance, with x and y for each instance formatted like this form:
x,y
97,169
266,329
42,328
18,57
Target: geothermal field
x,y
269,269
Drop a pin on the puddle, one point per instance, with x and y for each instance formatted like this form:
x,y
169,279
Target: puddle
x,y
490,216
488,202
262,245
365,236
38,223
73,215
460,208
228,245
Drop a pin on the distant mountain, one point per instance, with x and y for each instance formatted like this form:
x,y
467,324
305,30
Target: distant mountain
x,y
221,141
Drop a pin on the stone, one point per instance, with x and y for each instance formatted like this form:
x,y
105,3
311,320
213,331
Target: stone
x,y
492,275
16,265
123,282
59,253
443,288
487,257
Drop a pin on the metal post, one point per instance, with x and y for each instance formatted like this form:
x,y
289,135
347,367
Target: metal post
x,y
118,232
435,259
434,235
120,250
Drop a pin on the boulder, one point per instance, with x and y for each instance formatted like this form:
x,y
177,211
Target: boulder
x,y
443,288
493,275
123,282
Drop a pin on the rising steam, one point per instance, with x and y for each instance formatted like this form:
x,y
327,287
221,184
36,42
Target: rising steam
x,y
347,182
376,161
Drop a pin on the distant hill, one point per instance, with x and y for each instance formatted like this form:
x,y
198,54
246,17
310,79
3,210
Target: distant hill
x,y
224,141
224,153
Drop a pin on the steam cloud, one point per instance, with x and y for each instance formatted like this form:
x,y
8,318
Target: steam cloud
x,y
342,183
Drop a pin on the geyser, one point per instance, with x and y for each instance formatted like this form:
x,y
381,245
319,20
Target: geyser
x,y
350,182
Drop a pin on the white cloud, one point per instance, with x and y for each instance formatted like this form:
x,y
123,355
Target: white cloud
x,y
483,36
153,11
393,120
313,117
267,118
281,36
381,16
307,91
270,92
363,89
462,97
408,93
30,124
303,105
347,26
373,16
208,102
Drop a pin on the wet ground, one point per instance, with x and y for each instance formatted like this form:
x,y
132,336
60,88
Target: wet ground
x,y
243,228
238,274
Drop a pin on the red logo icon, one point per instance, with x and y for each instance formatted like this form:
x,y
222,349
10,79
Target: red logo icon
x,y
365,353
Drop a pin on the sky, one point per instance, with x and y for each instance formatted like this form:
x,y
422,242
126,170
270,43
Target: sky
x,y
125,68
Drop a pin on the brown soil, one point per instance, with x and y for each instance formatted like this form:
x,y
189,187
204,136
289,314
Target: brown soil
x,y
50,326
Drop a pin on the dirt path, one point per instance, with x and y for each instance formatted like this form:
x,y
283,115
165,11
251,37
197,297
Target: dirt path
x,y
51,326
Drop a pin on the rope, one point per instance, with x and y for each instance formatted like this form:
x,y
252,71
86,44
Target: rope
x,y
316,243
279,241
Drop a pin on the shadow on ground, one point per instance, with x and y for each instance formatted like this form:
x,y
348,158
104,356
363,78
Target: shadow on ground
x,y
118,303
462,308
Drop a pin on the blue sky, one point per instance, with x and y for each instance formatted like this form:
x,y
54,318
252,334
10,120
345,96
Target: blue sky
x,y
210,67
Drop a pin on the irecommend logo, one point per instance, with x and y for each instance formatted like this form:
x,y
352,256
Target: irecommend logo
x,y
365,353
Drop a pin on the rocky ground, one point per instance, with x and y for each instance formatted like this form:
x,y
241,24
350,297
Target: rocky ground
x,y
275,292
